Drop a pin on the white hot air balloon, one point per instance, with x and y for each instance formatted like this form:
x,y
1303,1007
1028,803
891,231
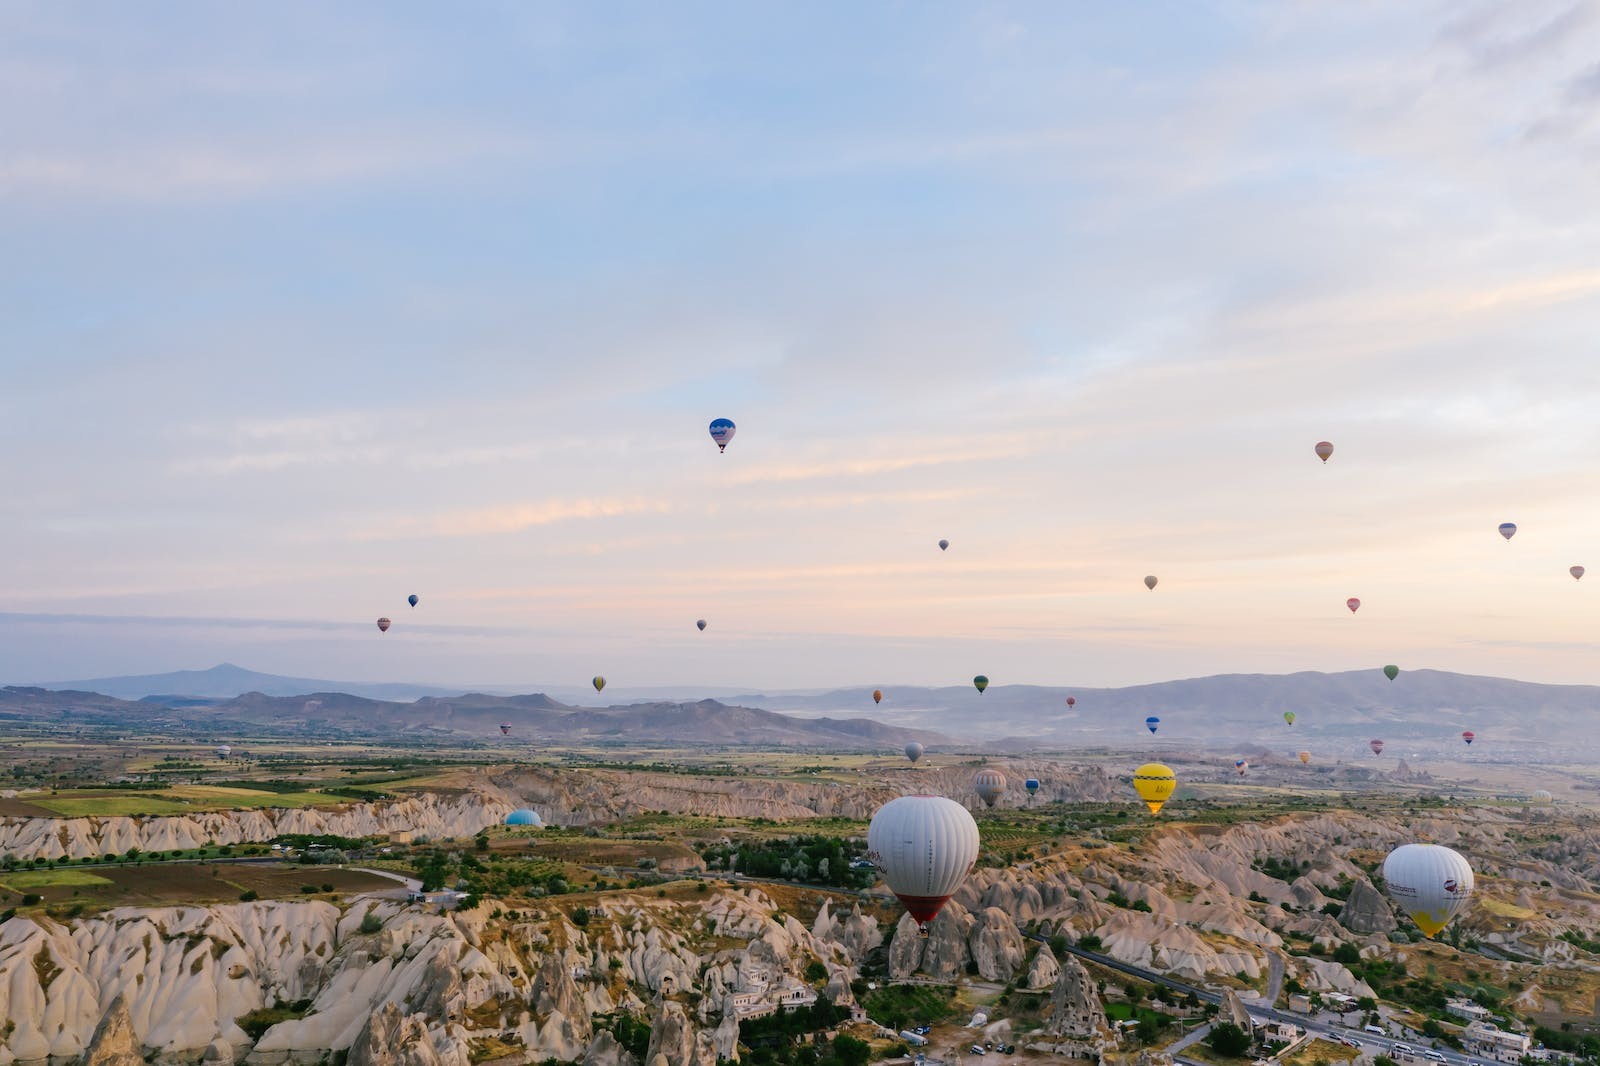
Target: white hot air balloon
x,y
914,751
1542,797
990,785
1431,883
924,846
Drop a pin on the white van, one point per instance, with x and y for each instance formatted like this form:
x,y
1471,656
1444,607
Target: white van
x,y
1373,1029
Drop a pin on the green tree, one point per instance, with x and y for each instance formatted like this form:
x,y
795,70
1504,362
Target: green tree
x,y
1228,1039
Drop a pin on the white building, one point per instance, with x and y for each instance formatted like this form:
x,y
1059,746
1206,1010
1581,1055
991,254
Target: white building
x,y
1465,1008
1488,1041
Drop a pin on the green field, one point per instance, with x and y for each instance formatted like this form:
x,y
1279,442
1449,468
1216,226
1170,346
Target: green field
x,y
185,799
28,880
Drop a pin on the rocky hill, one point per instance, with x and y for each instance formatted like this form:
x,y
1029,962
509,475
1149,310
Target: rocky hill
x,y
388,983
420,815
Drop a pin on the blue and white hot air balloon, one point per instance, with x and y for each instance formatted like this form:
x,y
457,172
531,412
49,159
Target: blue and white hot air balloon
x,y
1032,785
1508,529
722,431
1151,723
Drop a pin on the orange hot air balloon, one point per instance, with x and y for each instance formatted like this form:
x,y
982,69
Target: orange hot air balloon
x,y
1324,449
383,625
877,695
1354,604
1305,756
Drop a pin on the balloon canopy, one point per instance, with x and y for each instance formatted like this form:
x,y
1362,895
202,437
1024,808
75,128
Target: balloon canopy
x,y
990,785
1508,529
383,625
1152,723
1325,449
412,599
1155,783
524,816
722,431
980,682
924,846
1430,883
1150,581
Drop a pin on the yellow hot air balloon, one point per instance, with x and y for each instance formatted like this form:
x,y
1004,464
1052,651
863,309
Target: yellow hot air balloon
x,y
1155,784
1305,756
599,683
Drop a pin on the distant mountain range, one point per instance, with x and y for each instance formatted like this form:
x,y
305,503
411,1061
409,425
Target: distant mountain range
x,y
227,680
1421,706
534,719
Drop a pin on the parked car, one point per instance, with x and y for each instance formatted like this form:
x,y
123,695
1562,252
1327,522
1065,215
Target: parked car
x,y
977,1049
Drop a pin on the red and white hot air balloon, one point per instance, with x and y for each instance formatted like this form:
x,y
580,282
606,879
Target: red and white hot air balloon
x,y
505,729
1324,449
924,846
1469,736
1354,604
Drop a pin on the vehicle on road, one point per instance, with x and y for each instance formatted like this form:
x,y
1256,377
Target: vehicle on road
x,y
1402,1049
1350,1041
1373,1029
1430,1053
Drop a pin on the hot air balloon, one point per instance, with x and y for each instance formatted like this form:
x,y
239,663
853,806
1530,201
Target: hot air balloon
x,y
944,545
1032,785
1541,797
598,682
525,817
1354,604
223,751
914,751
1289,716
980,683
1325,449
700,624
1155,784
383,625
1576,572
1391,671
1150,581
877,695
412,599
924,846
990,785
1152,723
1376,746
722,431
1305,756
1241,765
1508,529
505,729
1431,883
1072,701
1469,736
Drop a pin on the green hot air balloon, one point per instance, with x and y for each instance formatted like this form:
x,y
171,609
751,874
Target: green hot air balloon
x,y
1391,672
1288,716
980,682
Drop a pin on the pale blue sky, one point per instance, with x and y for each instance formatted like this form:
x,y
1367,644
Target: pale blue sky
x,y
306,309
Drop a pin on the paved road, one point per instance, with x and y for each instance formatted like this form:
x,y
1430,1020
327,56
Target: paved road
x,y
1274,977
1327,1030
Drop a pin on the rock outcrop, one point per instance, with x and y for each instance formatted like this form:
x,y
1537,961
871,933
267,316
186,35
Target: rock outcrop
x,y
1366,911
1044,969
414,816
113,1042
1076,1026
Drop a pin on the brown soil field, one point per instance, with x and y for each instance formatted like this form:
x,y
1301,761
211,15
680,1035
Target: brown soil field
x,y
165,884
